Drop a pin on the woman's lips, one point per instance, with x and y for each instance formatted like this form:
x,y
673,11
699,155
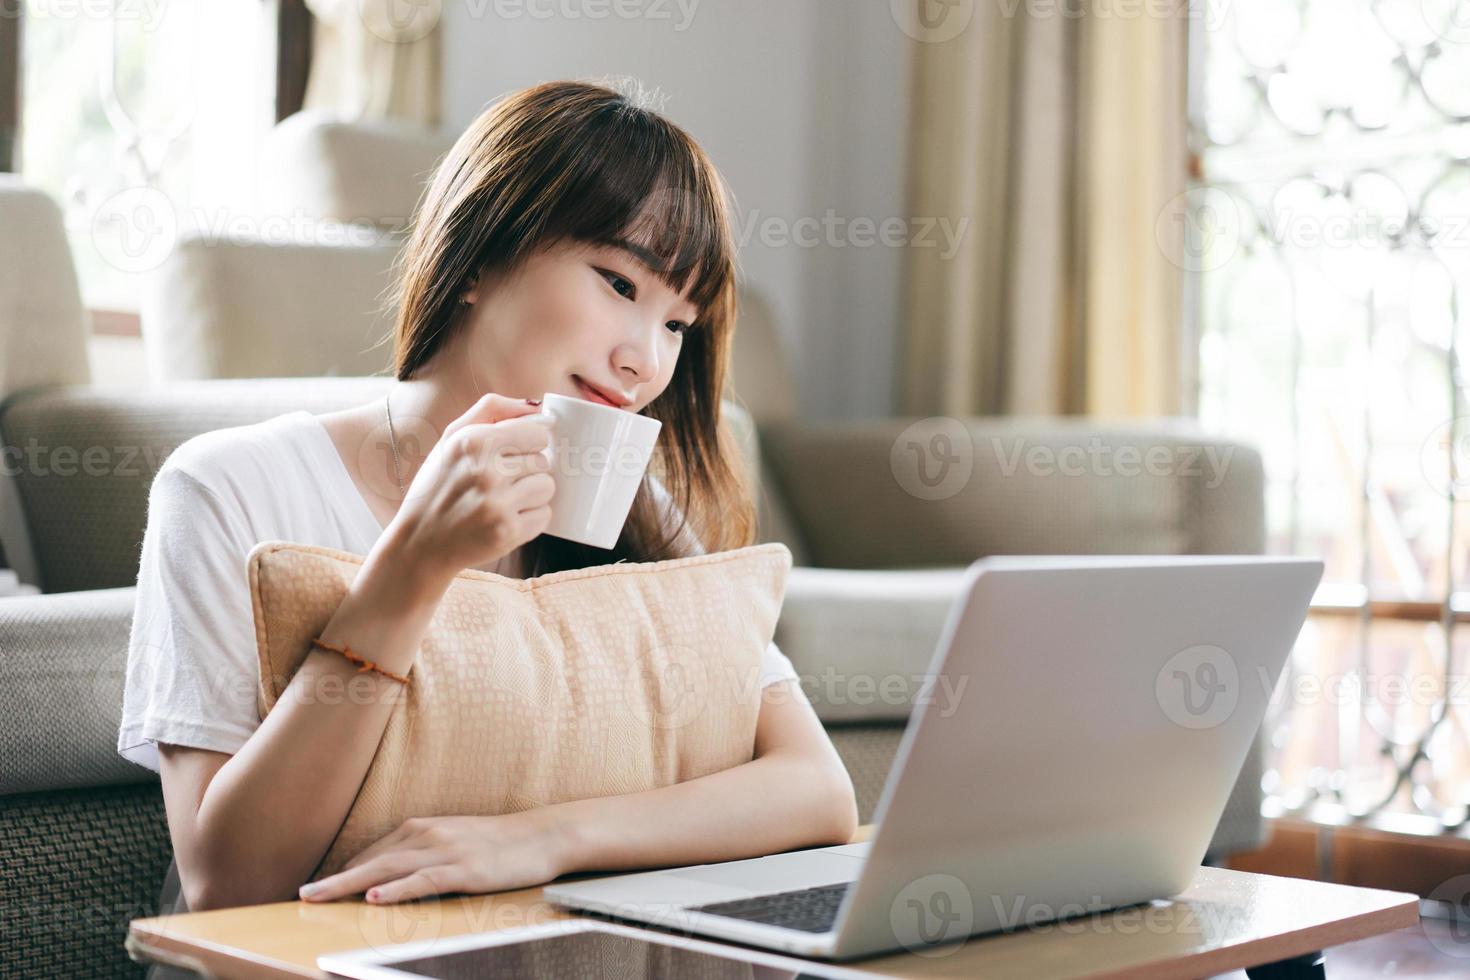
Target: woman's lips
x,y
592,394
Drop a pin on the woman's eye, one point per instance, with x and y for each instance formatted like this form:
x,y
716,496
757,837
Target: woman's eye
x,y
616,281
626,289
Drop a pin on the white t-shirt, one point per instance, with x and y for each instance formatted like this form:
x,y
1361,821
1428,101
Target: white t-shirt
x,y
192,667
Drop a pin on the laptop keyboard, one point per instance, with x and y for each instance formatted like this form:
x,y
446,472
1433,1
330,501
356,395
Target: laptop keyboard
x,y
808,909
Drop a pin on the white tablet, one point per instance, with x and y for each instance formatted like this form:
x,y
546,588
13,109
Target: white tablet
x,y
571,948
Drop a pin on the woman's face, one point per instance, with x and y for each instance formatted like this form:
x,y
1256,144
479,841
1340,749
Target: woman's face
x,y
576,319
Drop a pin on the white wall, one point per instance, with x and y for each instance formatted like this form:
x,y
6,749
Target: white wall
x,y
800,103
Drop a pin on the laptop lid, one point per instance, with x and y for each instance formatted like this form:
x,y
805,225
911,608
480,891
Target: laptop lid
x,y
1083,724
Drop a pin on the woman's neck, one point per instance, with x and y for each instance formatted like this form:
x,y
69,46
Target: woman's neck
x,y
440,393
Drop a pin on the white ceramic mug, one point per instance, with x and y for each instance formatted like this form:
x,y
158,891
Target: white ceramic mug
x,y
598,456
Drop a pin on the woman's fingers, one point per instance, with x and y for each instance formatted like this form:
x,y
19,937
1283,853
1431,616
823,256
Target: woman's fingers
x,y
528,434
491,408
510,457
523,465
397,840
351,881
510,471
532,491
433,880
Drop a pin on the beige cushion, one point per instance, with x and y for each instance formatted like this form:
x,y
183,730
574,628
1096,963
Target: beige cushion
x,y
527,692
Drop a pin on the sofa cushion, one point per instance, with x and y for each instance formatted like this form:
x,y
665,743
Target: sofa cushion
x,y
863,641
321,166
62,661
231,308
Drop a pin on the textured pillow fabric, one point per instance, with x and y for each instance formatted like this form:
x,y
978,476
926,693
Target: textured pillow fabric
x,y
527,692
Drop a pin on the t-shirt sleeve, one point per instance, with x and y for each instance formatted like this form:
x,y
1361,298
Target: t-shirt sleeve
x,y
775,665
192,668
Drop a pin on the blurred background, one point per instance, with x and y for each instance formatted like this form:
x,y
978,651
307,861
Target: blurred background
x,y
1249,218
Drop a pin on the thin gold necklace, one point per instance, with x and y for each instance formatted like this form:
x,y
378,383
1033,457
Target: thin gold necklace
x,y
393,443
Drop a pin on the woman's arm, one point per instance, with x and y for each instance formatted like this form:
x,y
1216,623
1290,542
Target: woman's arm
x,y
268,814
794,793
252,829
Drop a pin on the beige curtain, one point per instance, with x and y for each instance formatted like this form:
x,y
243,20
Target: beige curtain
x,y
376,59
1062,139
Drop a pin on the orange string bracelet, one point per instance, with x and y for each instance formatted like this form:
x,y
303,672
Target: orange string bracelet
x,y
367,665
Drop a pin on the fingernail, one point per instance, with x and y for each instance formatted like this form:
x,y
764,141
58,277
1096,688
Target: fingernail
x,y
533,401
307,890
373,895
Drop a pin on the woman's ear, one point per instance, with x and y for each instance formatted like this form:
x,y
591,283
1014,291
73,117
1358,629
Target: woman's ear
x,y
470,292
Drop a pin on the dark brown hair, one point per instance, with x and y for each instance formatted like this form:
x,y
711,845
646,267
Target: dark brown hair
x,y
574,161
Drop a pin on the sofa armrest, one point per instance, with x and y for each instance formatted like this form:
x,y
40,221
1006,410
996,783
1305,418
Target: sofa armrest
x,y
944,491
62,663
43,327
82,459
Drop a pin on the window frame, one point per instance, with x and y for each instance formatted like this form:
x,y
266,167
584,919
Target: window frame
x,y
10,27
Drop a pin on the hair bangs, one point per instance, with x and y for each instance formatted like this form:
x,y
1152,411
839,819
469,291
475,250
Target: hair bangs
x,y
652,192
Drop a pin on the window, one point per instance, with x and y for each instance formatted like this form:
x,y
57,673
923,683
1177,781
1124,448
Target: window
x,y
144,121
1329,231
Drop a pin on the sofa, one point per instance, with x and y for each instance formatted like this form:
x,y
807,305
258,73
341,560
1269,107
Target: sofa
x,y
879,561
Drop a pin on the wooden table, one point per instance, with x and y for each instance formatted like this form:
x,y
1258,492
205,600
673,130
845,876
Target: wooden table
x,y
1225,920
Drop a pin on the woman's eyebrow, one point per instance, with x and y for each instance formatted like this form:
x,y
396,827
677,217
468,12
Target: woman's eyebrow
x,y
637,253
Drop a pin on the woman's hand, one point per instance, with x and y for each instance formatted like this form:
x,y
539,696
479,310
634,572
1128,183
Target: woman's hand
x,y
484,490
436,855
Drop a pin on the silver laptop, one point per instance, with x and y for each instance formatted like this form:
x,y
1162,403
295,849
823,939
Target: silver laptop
x,y
1106,710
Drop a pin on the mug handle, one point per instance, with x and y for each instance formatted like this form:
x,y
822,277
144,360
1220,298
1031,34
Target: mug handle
x,y
550,451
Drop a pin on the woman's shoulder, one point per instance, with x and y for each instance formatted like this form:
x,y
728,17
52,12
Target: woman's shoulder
x,y
239,456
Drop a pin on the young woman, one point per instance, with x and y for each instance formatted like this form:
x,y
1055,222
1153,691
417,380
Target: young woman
x,y
572,241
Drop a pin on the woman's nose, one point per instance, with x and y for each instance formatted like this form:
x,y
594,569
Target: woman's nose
x,y
637,356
